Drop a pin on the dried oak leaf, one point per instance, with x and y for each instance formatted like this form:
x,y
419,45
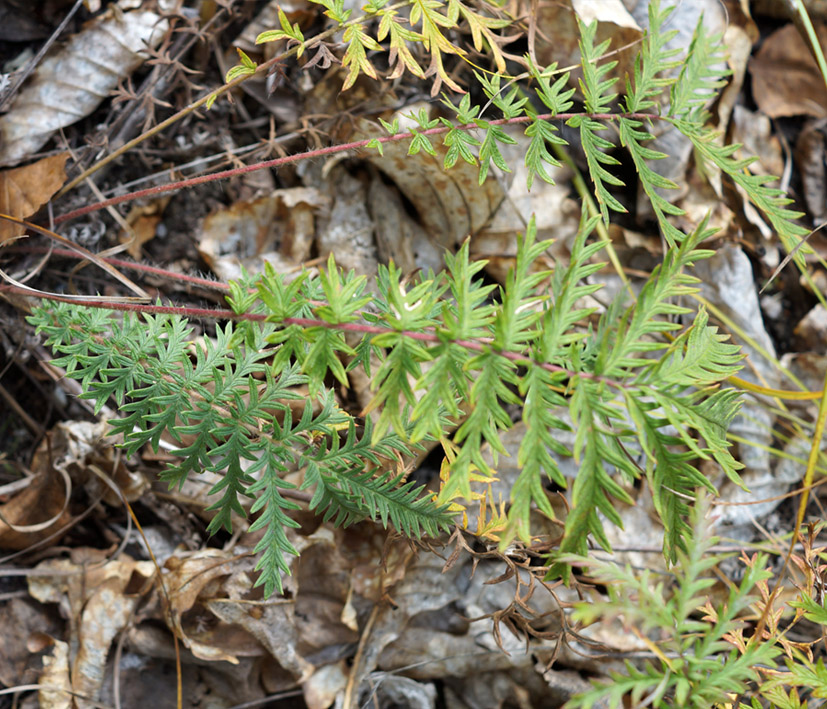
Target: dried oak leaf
x,y
24,190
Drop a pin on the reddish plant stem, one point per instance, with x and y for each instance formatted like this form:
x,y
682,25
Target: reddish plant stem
x,y
131,266
359,328
321,152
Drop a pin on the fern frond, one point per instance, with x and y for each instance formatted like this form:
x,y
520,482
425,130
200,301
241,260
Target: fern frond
x,y
771,201
633,333
653,60
695,666
702,75
348,492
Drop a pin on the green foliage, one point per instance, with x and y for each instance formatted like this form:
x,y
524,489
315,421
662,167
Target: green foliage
x,y
450,356
696,663
229,406
442,349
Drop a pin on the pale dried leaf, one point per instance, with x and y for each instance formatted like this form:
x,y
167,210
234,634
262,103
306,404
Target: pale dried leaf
x,y
56,687
348,231
106,612
70,84
279,228
321,688
604,11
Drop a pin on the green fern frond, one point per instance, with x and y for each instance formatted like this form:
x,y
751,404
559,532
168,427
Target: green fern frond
x,y
771,201
700,79
695,666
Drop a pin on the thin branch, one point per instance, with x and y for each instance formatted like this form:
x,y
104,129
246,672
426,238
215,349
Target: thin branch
x,y
322,152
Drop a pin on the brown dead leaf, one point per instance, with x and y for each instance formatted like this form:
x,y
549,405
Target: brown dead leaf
x,y
143,221
36,511
785,78
99,600
278,228
24,190
811,158
28,624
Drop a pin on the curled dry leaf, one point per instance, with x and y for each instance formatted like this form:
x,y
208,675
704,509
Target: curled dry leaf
x,y
321,689
100,600
811,157
278,228
70,84
55,685
24,190
37,508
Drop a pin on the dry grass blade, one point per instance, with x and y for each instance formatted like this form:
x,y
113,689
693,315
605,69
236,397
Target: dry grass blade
x,y
143,296
789,257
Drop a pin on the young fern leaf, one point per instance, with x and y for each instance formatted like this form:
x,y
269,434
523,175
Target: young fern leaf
x,y
652,62
348,492
702,75
513,328
557,100
625,339
771,201
433,39
594,486
400,38
466,318
449,351
595,91
641,95
404,311
692,667
538,386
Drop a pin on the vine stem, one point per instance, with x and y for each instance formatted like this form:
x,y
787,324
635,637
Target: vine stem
x,y
317,153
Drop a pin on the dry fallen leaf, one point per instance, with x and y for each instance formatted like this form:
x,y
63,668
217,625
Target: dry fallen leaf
x,y
278,228
811,158
785,78
99,598
450,205
56,687
71,83
24,190
143,221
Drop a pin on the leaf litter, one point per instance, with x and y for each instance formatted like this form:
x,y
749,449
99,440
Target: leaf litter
x,y
365,617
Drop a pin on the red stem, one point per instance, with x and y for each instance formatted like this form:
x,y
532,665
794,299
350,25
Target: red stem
x,y
131,266
320,152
